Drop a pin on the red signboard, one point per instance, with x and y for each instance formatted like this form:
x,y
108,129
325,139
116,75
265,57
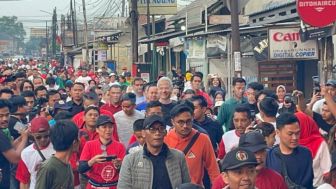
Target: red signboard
x,y
318,13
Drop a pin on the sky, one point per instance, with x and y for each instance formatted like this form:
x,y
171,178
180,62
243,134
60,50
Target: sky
x,y
28,11
32,13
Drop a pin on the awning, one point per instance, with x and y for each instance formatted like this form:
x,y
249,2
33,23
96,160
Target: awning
x,y
166,37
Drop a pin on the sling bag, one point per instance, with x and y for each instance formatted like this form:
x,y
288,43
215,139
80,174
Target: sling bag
x,y
191,143
284,173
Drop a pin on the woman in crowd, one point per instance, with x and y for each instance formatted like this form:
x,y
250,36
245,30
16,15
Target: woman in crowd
x,y
281,93
215,84
311,138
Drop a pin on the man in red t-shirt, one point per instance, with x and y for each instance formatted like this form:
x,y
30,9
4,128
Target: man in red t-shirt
x,y
255,142
114,105
196,82
92,99
101,158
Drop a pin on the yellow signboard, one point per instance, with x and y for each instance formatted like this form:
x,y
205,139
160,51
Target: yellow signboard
x,y
158,7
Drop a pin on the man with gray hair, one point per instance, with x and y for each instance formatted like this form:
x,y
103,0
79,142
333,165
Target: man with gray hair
x,y
165,89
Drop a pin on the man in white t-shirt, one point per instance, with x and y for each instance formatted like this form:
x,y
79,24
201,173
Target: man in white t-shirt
x,y
126,117
31,159
331,86
84,78
242,118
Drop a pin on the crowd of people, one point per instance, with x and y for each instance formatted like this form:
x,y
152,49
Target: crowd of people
x,y
66,128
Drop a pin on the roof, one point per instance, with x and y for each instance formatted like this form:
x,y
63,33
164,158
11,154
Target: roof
x,y
175,34
192,6
276,6
244,29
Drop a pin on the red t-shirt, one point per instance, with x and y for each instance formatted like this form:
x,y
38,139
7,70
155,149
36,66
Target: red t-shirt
x,y
111,108
266,179
102,172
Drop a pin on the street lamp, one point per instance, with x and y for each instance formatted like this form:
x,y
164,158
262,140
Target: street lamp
x,y
47,36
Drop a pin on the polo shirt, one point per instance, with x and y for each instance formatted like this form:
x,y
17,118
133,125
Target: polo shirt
x,y
265,179
111,108
75,108
104,172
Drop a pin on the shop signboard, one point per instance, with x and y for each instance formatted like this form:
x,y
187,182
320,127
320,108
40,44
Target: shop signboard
x,y
285,43
158,7
318,13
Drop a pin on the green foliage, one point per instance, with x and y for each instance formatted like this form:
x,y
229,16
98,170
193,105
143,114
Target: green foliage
x,y
11,26
35,44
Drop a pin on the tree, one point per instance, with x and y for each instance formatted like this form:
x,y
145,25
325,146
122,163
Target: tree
x,y
12,27
34,45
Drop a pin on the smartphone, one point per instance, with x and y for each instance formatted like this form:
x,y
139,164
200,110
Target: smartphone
x,y
20,127
110,158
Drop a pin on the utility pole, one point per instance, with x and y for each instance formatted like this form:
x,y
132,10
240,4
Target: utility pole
x,y
134,22
148,58
123,6
47,40
235,35
54,28
73,23
86,59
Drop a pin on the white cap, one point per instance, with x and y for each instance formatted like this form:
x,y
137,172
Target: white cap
x,y
112,74
99,70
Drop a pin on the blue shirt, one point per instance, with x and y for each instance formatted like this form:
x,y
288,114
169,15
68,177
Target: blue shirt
x,y
142,106
299,165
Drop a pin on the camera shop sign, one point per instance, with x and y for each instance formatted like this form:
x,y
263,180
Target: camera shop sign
x,y
318,13
285,43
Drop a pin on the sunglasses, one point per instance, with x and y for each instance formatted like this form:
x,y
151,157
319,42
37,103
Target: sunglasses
x,y
154,130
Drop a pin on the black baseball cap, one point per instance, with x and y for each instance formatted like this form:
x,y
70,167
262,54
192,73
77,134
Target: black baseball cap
x,y
253,141
103,119
237,158
150,120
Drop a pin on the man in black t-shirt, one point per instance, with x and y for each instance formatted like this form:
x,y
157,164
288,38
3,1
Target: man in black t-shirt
x,y
8,153
325,120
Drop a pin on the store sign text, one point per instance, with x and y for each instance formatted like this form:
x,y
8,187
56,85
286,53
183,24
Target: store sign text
x,y
285,43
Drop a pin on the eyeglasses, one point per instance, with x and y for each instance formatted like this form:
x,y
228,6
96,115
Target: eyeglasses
x,y
39,137
182,122
154,130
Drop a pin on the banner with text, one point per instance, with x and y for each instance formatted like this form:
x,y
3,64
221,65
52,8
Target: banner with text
x,y
285,43
158,7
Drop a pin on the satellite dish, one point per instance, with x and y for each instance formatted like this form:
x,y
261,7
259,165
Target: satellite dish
x,y
241,4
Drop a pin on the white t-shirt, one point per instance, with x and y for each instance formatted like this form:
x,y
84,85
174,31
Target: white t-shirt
x,y
321,164
230,140
32,160
84,80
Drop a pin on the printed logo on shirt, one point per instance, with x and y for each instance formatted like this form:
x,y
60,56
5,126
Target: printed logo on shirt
x,y
191,155
108,173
